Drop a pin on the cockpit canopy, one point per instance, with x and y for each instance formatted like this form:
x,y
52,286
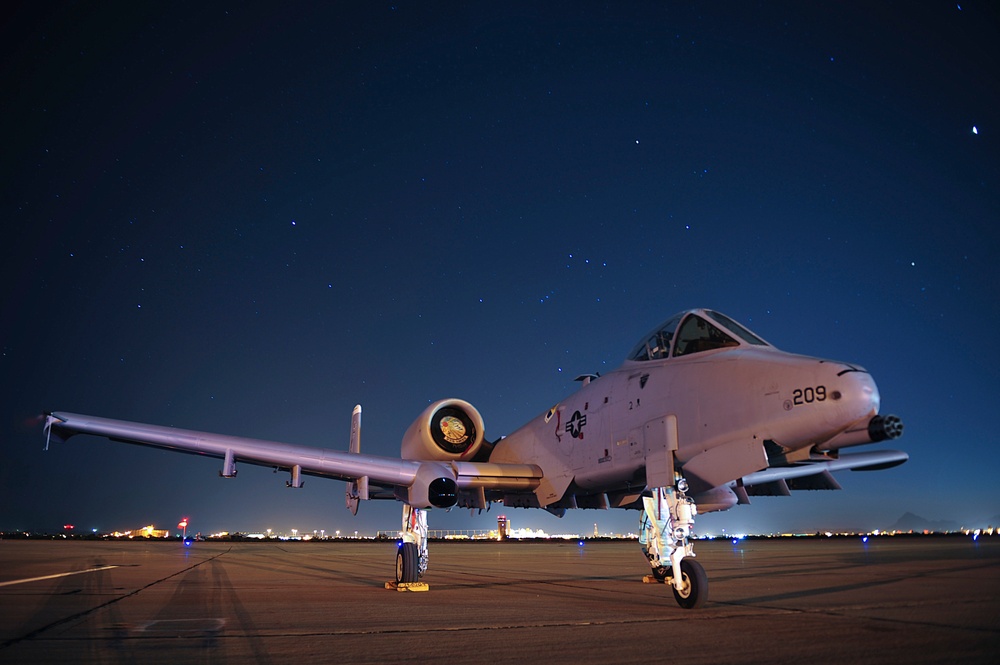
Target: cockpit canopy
x,y
693,332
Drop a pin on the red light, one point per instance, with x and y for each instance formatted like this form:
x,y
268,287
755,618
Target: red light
x,y
68,526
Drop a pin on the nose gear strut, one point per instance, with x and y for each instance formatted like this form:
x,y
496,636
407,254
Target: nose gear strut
x,y
664,535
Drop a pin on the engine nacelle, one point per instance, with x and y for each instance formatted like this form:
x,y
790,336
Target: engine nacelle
x,y
448,430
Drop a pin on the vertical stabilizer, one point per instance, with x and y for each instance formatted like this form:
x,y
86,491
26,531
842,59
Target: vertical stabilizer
x,y
357,489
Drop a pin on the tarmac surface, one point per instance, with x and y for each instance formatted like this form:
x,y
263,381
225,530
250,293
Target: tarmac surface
x,y
890,600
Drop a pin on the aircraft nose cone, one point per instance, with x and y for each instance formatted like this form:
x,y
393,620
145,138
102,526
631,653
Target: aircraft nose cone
x,y
862,393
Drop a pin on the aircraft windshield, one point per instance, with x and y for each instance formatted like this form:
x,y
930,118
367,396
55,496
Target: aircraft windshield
x,y
695,334
737,329
657,346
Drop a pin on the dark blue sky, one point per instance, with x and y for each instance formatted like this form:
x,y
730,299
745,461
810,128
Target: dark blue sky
x,y
246,219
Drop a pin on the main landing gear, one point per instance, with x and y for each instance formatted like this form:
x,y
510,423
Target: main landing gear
x,y
411,557
664,535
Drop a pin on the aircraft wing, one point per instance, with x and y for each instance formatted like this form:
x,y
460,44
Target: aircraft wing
x,y
422,483
816,475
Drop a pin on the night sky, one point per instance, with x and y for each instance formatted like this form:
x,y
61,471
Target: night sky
x,y
248,217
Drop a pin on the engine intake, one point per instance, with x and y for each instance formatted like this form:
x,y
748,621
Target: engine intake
x,y
447,430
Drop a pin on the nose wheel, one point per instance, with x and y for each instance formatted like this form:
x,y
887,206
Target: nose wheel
x,y
693,590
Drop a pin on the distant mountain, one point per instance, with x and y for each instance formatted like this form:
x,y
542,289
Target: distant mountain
x,y
916,523
983,524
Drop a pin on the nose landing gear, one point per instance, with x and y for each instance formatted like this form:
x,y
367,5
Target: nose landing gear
x,y
664,536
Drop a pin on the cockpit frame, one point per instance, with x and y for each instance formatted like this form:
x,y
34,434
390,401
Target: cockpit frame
x,y
693,331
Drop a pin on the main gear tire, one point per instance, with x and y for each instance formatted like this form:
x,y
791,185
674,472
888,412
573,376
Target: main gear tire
x,y
407,563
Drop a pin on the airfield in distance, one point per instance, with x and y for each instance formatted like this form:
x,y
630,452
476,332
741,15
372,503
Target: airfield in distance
x,y
887,599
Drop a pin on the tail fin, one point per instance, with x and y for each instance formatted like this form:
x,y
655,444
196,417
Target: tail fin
x,y
357,489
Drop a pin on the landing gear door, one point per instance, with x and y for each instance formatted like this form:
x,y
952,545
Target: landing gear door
x,y
723,464
660,435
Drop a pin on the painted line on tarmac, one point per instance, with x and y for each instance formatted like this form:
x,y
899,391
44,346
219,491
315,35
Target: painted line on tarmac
x,y
73,617
52,577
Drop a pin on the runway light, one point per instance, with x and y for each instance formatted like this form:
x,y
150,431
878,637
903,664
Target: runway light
x,y
865,539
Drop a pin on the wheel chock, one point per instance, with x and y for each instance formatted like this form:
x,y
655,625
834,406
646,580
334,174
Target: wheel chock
x,y
407,586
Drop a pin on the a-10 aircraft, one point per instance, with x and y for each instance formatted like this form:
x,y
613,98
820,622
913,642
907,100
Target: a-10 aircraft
x,y
702,415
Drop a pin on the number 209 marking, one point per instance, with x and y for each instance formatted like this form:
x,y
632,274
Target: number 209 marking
x,y
808,395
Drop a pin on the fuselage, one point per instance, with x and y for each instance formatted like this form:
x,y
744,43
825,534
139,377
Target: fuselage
x,y
738,396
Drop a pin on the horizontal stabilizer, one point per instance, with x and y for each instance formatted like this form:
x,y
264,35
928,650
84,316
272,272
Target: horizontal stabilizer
x,y
823,480
820,481
773,488
817,475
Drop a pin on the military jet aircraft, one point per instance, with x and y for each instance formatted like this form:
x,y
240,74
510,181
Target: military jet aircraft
x,y
702,415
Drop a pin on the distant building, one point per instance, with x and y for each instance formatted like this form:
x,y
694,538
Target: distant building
x,y
149,531
503,528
